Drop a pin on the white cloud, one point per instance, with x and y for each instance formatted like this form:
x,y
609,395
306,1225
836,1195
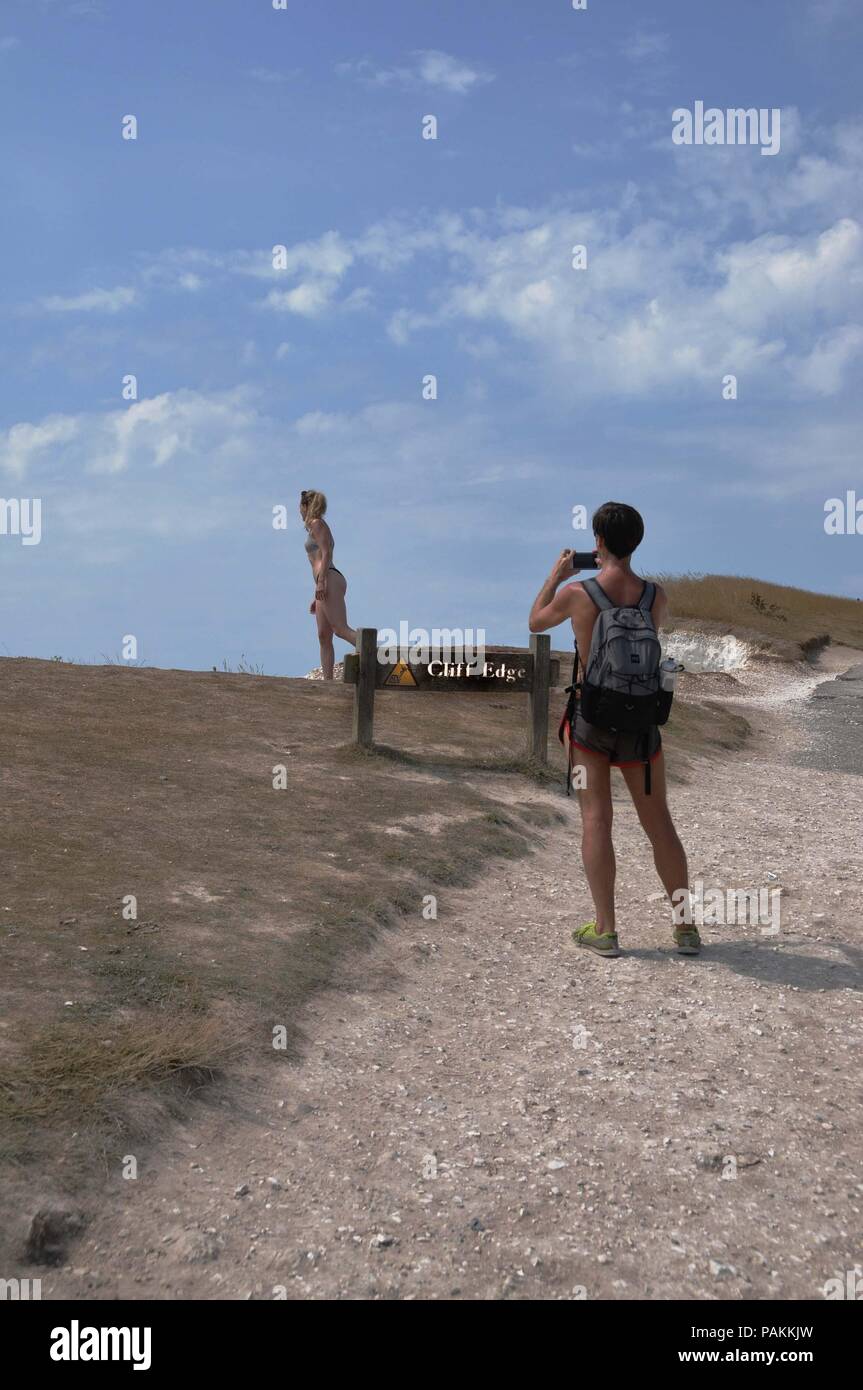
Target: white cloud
x,y
328,258
326,255
321,422
791,276
440,70
666,302
428,68
310,298
317,267
179,466
657,307
145,434
24,444
92,301
818,176
360,298
825,369
184,267
152,432
654,309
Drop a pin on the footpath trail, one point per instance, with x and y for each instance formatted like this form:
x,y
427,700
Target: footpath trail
x,y
836,730
514,1118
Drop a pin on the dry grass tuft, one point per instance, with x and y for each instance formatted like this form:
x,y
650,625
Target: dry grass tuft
x,y
77,1070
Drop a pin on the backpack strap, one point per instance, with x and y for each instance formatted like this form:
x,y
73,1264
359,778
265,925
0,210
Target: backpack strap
x,y
645,603
568,720
595,591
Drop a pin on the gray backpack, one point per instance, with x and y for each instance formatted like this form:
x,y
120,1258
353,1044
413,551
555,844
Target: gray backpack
x,y
621,688
623,662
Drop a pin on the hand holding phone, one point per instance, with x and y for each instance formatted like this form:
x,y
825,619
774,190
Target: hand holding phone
x,y
584,560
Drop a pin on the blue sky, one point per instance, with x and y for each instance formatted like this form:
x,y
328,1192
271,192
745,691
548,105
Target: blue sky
x,y
406,257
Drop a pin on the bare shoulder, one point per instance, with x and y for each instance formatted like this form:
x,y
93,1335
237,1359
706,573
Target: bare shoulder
x,y
580,595
660,604
578,599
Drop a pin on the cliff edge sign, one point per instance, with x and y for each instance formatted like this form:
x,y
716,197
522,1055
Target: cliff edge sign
x,y
499,671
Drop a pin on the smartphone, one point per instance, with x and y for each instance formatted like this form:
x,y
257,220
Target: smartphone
x,y
584,560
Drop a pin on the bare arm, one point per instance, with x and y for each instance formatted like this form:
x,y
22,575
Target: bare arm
x,y
549,606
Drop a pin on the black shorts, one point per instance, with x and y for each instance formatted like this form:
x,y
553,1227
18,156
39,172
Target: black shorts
x,y
621,748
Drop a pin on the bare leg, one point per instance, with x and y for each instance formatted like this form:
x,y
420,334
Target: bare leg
x,y
325,637
334,608
597,850
669,855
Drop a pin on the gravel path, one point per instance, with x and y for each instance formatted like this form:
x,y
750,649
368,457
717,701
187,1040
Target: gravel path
x,y
516,1118
835,740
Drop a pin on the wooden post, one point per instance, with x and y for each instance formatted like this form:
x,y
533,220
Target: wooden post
x,y
540,646
364,694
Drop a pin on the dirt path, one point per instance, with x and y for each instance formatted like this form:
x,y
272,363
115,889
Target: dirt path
x,y
519,1119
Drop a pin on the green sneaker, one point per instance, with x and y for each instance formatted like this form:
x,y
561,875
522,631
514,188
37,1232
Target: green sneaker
x,y
603,943
687,941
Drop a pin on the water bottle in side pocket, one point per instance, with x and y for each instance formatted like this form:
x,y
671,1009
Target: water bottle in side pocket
x,y
668,670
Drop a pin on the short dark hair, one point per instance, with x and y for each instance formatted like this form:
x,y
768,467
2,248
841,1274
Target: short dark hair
x,y
619,527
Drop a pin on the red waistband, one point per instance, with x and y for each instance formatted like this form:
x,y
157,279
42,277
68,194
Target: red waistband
x,y
630,762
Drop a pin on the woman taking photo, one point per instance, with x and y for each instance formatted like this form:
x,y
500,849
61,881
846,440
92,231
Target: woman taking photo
x,y
328,604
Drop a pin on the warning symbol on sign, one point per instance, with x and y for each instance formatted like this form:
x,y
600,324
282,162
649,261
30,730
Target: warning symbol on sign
x,y
401,674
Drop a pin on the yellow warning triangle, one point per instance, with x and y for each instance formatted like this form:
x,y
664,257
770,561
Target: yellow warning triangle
x,y
401,674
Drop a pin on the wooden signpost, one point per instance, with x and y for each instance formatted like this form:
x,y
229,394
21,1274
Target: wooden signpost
x,y
500,672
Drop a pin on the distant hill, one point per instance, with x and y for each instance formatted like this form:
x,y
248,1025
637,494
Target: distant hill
x,y
775,612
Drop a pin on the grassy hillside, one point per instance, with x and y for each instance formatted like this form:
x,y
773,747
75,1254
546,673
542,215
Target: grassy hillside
x,y
773,611
159,785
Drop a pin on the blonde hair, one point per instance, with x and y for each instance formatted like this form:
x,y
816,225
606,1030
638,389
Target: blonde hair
x,y
313,504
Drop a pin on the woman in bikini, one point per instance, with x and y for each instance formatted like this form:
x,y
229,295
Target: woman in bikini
x,y
328,604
